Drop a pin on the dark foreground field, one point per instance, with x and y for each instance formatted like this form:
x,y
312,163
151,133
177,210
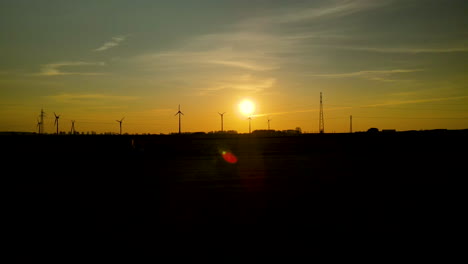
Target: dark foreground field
x,y
153,186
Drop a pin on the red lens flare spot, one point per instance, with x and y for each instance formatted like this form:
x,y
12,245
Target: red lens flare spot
x,y
229,157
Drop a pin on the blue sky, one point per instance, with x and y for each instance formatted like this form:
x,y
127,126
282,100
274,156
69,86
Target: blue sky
x,y
388,63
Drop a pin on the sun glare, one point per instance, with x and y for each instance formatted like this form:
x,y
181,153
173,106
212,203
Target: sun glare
x,y
247,107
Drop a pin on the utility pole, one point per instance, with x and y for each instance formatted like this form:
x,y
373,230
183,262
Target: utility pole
x,y
72,127
41,123
321,122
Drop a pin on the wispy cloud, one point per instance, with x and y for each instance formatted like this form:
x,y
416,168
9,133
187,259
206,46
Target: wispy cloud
x,y
389,103
256,43
86,98
410,49
56,69
113,43
417,101
243,65
245,82
334,9
301,111
298,14
381,75
241,58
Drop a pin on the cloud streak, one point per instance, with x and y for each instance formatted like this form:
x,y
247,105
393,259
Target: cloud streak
x,y
304,14
301,111
255,44
337,9
242,64
416,101
410,50
70,97
56,69
390,103
245,59
381,75
113,43
241,83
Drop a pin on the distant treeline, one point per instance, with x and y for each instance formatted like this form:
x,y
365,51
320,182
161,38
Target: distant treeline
x,y
263,132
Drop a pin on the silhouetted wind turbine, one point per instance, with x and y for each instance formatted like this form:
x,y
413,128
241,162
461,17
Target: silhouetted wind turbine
x,y
57,122
269,123
222,115
120,124
179,113
250,119
38,125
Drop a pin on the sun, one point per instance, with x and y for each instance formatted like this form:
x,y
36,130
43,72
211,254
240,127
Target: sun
x,y
247,107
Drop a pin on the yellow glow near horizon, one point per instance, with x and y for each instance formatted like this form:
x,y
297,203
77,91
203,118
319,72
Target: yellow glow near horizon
x,y
247,107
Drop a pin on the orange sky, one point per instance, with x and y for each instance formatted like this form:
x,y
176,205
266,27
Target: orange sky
x,y
390,64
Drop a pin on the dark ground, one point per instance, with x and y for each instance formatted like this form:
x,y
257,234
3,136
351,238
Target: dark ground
x,y
173,186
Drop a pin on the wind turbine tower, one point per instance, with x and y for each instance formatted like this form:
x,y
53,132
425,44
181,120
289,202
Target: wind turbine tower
x,y
120,124
222,117
269,123
39,126
179,113
56,122
350,124
321,122
250,119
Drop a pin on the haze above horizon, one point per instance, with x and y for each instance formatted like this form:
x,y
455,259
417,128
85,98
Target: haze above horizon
x,y
390,64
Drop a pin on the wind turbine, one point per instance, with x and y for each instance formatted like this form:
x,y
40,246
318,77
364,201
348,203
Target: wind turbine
x,y
179,113
250,119
269,123
38,125
56,122
222,116
120,124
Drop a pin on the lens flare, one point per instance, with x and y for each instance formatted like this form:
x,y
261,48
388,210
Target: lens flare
x,y
229,157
